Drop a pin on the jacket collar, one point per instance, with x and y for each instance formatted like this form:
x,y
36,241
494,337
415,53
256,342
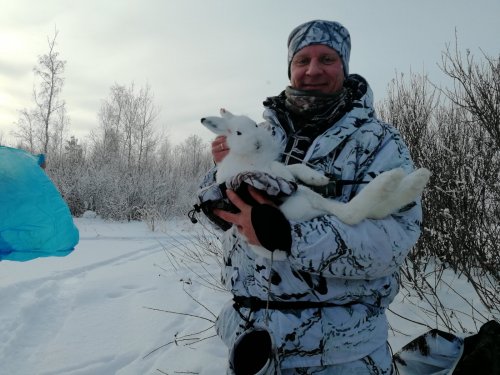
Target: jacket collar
x,y
361,112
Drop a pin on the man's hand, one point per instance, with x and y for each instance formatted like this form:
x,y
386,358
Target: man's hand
x,y
243,219
219,148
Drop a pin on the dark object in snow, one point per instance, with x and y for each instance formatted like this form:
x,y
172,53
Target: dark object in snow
x,y
481,352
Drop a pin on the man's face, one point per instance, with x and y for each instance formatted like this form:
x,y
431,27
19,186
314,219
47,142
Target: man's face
x,y
317,68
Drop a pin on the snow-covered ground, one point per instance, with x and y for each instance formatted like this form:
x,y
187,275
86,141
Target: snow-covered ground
x,y
95,312
86,313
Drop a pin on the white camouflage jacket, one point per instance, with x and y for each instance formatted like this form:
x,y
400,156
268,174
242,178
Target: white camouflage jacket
x,y
354,267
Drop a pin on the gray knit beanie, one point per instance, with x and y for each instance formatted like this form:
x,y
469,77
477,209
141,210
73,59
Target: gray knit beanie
x,y
328,33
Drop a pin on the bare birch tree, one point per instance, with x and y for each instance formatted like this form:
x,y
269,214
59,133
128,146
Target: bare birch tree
x,y
43,124
50,71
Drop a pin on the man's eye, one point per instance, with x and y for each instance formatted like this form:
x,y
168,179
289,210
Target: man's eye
x,y
328,59
301,61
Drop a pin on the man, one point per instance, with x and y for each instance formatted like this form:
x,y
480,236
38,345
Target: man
x,y
327,299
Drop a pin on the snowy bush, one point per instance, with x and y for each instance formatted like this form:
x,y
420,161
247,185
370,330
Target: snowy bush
x,y
456,134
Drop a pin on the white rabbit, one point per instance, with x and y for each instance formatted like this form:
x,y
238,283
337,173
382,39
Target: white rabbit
x,y
253,148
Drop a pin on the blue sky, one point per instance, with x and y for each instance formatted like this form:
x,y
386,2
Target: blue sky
x,y
200,55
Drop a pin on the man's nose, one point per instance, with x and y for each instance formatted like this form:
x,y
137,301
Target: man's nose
x,y
314,67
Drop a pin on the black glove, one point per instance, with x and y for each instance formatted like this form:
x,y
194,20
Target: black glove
x,y
272,228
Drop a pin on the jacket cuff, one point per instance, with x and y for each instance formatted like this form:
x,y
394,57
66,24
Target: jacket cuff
x,y
272,228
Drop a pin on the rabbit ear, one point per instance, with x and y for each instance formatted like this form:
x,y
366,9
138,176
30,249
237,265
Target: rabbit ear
x,y
217,125
225,113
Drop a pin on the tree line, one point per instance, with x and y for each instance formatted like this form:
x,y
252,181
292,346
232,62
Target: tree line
x,y
126,169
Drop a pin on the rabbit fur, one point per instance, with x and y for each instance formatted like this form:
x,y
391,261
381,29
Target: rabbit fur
x,y
252,148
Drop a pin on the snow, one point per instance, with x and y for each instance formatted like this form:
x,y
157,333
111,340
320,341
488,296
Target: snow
x,y
85,313
96,311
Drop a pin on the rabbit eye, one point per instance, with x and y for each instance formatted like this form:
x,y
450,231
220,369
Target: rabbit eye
x,y
238,132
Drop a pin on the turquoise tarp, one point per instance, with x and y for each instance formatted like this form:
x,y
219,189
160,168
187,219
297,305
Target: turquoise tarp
x,y
35,221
